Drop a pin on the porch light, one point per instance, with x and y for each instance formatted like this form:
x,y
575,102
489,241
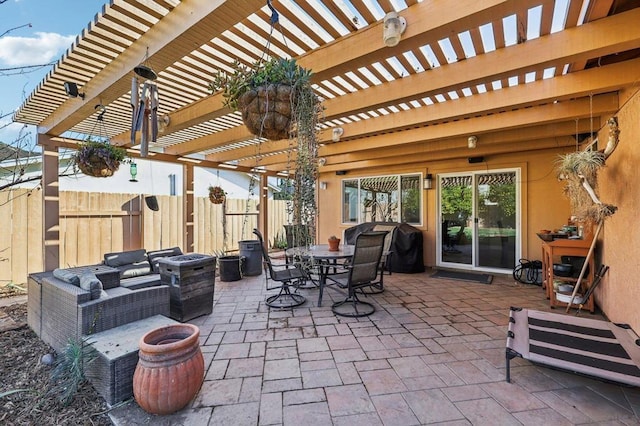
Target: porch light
x,y
472,141
428,181
71,89
394,26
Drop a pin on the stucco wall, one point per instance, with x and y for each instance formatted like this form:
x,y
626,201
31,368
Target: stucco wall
x,y
619,244
543,204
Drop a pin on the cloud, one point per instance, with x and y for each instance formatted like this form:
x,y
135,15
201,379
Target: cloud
x,y
42,49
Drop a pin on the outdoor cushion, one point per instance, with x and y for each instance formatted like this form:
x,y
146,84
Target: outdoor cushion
x,y
125,257
67,276
159,254
134,269
89,282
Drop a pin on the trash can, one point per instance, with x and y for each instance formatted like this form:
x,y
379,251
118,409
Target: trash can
x,y
229,268
252,253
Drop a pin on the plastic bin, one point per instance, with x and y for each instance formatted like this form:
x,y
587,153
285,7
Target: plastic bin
x,y
229,268
252,253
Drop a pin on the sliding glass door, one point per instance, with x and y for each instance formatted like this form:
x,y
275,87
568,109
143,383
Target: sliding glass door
x,y
479,217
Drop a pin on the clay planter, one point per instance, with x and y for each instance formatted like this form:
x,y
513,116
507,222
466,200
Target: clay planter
x,y
266,111
170,368
334,244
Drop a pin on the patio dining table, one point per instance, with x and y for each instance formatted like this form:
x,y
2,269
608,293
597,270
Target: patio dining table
x,y
324,259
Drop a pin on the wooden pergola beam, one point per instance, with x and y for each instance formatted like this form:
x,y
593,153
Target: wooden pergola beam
x,y
191,23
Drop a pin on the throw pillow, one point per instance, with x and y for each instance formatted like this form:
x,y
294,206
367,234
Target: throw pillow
x,y
67,276
91,283
125,257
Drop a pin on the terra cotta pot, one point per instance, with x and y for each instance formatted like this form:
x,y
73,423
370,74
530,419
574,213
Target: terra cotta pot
x,y
334,244
170,368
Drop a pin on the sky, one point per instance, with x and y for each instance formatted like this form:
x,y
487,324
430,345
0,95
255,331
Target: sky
x,y
34,32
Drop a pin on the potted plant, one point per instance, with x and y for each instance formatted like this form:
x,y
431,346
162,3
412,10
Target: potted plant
x,y
334,242
278,84
217,195
98,159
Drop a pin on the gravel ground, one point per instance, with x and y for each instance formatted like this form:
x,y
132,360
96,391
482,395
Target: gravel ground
x,y
24,379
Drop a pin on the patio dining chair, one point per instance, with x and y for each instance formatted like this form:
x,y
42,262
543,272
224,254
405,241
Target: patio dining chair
x,y
362,270
286,275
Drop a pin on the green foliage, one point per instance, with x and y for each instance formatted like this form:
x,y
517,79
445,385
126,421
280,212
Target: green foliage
x,y
457,201
279,241
244,78
68,372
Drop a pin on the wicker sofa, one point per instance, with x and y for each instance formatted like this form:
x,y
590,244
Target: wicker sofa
x,y
58,310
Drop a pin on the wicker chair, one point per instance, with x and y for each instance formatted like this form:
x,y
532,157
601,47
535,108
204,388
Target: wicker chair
x,y
362,270
286,275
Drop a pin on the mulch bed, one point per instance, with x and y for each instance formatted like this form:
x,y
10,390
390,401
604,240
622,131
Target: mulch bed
x,y
23,374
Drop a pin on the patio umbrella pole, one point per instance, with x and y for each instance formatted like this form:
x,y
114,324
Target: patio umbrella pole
x,y
585,265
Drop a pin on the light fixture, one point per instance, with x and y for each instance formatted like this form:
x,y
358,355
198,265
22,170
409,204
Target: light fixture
x,y
322,161
472,141
428,181
394,26
323,185
337,132
71,89
133,171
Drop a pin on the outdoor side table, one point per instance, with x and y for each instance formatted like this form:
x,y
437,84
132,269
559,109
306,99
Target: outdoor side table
x,y
191,279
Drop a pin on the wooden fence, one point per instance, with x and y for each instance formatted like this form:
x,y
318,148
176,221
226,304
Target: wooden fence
x,y
92,224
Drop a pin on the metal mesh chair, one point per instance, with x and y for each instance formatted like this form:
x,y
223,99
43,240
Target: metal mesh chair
x,y
361,272
286,275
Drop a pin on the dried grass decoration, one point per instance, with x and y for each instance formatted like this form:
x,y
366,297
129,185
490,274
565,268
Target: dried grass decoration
x,y
579,168
267,94
98,159
217,194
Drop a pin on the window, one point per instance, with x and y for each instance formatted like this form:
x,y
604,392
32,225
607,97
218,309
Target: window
x,y
382,199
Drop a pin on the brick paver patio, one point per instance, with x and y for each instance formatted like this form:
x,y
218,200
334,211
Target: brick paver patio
x,y
432,353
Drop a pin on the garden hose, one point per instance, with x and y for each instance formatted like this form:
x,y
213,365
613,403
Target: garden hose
x,y
528,272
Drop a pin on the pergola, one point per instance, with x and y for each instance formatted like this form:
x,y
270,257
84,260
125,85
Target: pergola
x,y
520,75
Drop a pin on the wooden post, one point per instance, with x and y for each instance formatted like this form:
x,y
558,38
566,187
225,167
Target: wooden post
x,y
50,204
263,208
188,228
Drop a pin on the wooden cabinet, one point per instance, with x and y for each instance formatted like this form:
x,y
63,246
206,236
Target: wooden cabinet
x,y
552,252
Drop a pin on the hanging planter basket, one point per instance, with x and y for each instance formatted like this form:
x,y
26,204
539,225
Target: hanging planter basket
x,y
217,194
265,94
266,110
98,159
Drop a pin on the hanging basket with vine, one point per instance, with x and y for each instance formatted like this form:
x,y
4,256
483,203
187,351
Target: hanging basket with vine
x,y
217,195
98,159
266,94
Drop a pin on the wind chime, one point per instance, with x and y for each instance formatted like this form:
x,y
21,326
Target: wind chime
x,y
144,115
144,104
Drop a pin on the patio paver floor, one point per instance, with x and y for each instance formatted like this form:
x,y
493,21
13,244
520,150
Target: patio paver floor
x,y
433,352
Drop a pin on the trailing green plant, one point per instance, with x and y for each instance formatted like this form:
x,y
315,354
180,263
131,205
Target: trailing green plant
x,y
68,372
244,78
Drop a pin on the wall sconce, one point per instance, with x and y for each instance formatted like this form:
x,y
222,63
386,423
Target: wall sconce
x,y
133,171
71,89
323,185
428,181
394,26
337,132
472,141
